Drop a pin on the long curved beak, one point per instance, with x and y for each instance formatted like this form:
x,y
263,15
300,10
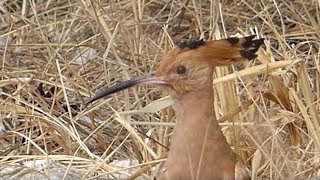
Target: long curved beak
x,y
147,79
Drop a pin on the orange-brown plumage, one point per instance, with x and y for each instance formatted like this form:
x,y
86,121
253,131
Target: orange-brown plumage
x,y
199,149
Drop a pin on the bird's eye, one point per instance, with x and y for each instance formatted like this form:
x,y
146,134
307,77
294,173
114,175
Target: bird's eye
x,y
181,69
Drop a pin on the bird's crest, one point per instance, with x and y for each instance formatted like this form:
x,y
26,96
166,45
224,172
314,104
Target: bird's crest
x,y
223,51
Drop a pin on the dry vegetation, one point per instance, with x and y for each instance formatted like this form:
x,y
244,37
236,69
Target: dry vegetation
x,y
54,54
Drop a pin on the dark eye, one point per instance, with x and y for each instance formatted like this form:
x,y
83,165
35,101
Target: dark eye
x,y
181,69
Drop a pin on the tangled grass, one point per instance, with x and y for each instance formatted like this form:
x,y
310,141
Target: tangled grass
x,y
54,54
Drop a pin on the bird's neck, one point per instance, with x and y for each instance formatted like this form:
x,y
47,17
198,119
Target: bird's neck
x,y
196,109
196,121
198,142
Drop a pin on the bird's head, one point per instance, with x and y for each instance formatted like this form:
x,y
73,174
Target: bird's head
x,y
189,66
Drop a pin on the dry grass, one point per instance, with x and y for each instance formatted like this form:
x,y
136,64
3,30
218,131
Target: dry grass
x,y
54,54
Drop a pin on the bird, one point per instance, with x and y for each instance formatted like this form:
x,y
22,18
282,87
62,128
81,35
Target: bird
x,y
199,149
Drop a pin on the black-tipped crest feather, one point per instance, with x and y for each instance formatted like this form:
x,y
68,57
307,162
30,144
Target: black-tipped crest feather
x,y
233,40
192,44
250,47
